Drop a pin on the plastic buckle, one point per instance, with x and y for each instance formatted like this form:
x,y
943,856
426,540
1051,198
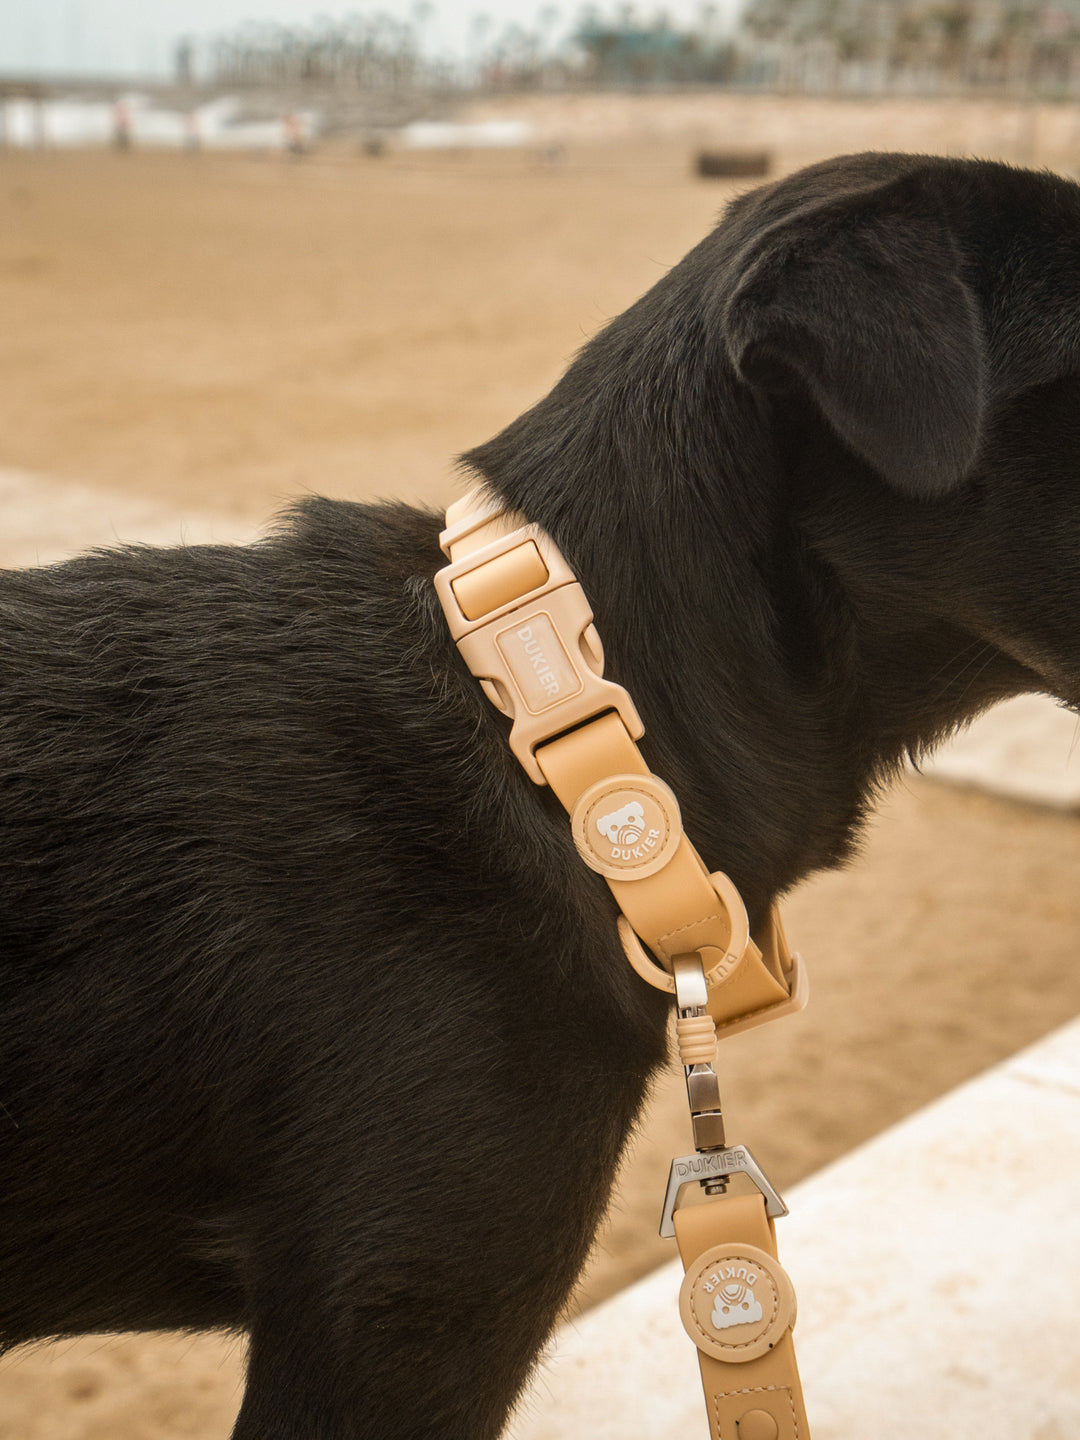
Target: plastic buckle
x,y
536,654
465,516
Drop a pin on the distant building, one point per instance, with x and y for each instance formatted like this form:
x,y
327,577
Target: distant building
x,y
1019,46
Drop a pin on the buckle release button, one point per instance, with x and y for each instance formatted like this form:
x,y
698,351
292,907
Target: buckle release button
x,y
496,582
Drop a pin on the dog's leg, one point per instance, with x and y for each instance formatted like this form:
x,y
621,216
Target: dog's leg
x,y
309,1380
410,1251
441,1347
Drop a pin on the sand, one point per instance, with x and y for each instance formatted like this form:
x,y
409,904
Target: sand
x,y
209,336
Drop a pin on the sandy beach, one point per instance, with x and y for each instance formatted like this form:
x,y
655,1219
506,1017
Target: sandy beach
x,y
209,336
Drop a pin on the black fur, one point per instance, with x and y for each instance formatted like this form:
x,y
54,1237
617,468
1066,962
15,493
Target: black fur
x,y
313,1022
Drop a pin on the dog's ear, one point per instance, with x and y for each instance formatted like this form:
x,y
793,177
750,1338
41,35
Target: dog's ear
x,y
861,297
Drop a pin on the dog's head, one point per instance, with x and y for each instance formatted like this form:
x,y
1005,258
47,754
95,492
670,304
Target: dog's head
x,y
836,450
928,311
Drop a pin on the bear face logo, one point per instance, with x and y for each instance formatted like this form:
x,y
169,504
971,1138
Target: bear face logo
x,y
735,1305
625,826
736,1302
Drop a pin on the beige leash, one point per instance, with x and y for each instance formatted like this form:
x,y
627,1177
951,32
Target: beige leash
x,y
524,628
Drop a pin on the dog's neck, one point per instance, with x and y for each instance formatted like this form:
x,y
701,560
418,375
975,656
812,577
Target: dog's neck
x,y
775,698
689,628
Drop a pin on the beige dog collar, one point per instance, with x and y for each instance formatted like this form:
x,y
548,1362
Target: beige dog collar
x,y
525,630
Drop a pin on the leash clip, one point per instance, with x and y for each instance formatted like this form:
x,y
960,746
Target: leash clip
x,y
714,1162
710,1168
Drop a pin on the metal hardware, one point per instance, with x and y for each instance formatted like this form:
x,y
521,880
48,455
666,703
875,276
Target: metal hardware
x,y
650,969
691,988
702,1089
715,1162
708,1128
714,1166
702,1085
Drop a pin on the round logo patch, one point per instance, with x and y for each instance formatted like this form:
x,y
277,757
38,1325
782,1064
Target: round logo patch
x,y
736,1302
627,826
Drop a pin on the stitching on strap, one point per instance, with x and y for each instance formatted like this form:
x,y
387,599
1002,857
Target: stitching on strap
x,y
679,930
758,1390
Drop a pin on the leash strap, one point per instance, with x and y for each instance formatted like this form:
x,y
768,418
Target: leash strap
x,y
748,1369
524,627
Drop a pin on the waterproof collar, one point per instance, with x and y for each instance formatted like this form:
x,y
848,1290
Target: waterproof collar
x,y
525,629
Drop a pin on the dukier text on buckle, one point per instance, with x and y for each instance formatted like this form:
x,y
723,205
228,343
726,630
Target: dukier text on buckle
x,y
716,1165
536,654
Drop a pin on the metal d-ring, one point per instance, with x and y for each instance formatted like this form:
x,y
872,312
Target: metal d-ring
x,y
654,973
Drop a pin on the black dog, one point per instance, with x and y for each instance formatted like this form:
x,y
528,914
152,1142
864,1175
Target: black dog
x,y
313,1021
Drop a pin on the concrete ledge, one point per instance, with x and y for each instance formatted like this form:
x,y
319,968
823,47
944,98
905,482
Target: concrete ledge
x,y
47,519
938,1275
1025,749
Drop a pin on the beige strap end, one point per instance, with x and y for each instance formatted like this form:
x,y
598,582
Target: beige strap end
x,y
738,1307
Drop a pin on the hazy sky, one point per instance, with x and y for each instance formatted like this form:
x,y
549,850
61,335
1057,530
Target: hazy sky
x,y
133,37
